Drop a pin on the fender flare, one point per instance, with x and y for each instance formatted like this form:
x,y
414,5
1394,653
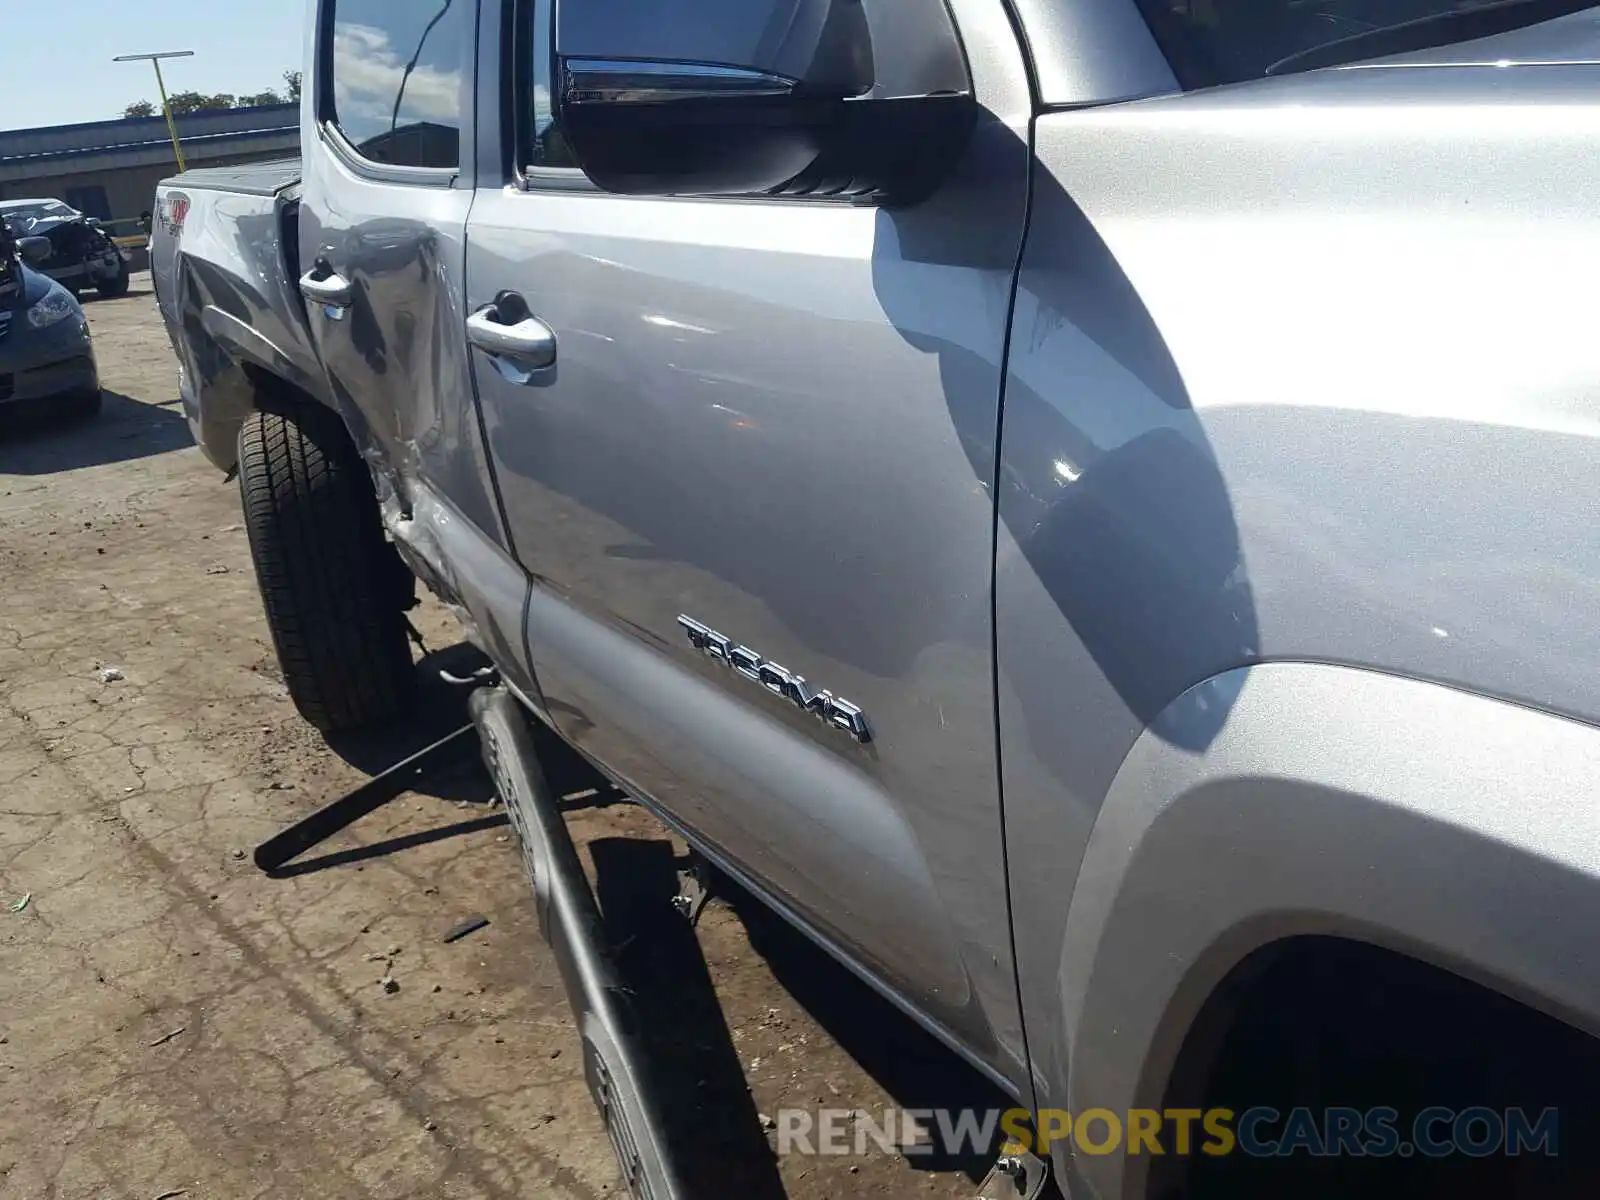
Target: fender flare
x,y
245,344
1458,829
232,330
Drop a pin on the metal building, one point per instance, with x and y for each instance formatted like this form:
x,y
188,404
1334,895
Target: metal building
x,y
109,169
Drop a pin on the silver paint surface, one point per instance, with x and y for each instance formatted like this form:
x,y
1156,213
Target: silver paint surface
x,y
780,417
228,300
1332,802
1301,369
1091,51
483,587
396,361
398,355
777,680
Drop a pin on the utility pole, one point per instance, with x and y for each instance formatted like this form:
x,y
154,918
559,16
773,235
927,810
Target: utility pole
x,y
166,105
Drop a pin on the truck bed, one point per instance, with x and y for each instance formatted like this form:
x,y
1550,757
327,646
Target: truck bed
x,y
252,179
224,259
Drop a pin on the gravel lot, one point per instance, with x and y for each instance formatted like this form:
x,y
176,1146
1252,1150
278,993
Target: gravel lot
x,y
172,1019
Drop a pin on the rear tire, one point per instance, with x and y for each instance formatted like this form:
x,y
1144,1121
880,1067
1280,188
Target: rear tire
x,y
327,576
114,288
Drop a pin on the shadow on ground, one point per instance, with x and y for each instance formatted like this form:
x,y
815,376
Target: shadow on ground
x,y
36,441
913,1067
93,297
712,1117
440,709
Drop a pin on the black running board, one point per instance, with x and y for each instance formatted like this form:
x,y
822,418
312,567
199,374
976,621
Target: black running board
x,y
613,1060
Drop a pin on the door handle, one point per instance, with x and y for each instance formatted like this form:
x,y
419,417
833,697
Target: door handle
x,y
324,285
530,340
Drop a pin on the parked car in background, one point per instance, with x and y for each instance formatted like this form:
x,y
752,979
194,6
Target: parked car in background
x,y
82,255
47,361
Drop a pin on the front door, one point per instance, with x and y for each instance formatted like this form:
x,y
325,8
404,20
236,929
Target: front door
x,y
382,238
745,450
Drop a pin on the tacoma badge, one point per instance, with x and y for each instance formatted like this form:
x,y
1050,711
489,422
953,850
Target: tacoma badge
x,y
841,714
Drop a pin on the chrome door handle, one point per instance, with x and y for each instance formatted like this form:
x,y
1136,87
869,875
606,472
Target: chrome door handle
x,y
530,341
327,287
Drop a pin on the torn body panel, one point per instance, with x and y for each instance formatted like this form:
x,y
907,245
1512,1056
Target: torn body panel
x,y
481,585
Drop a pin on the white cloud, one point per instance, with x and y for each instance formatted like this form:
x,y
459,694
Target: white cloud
x,y
368,72
543,114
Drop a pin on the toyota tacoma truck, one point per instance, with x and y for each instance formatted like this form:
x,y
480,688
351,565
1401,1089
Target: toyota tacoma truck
x,y
1087,507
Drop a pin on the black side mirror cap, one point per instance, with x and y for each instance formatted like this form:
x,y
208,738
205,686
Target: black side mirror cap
x,y
750,97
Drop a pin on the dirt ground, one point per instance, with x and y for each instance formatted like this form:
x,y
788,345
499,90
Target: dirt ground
x,y
173,1022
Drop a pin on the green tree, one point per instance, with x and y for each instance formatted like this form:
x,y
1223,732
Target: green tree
x,y
190,102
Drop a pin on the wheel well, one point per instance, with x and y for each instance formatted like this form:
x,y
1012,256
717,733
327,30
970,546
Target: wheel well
x,y
234,389
274,393
1321,1021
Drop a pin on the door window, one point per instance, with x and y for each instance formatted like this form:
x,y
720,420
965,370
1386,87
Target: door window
x,y
543,143
396,70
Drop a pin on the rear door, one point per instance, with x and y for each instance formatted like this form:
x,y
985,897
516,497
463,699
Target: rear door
x,y
745,449
388,185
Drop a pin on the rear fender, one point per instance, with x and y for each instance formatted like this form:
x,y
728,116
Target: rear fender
x,y
227,294
1458,829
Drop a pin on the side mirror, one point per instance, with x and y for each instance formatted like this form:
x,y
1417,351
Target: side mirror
x,y
867,98
35,250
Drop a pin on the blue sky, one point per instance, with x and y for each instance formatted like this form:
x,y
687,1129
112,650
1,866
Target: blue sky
x,y
64,74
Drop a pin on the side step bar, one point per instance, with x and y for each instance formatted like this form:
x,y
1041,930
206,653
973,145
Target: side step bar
x,y
613,1060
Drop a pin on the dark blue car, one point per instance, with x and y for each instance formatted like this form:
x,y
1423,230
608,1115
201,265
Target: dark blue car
x,y
47,362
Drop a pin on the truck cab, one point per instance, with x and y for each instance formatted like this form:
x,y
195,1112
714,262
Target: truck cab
x,y
1075,503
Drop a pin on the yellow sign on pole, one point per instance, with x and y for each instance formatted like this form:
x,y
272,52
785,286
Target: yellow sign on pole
x,y
166,103
172,126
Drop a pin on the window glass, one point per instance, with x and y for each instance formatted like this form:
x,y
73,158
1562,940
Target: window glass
x,y
397,78
24,215
1228,41
547,147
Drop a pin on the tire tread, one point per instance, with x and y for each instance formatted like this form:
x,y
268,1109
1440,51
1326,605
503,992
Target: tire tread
x,y
319,552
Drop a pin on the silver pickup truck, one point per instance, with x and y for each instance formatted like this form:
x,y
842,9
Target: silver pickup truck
x,y
1090,508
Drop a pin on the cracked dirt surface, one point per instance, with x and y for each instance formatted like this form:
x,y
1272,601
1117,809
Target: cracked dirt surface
x,y
172,1019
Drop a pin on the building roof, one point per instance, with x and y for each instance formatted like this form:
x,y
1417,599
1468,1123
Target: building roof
x,y
140,141
96,136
